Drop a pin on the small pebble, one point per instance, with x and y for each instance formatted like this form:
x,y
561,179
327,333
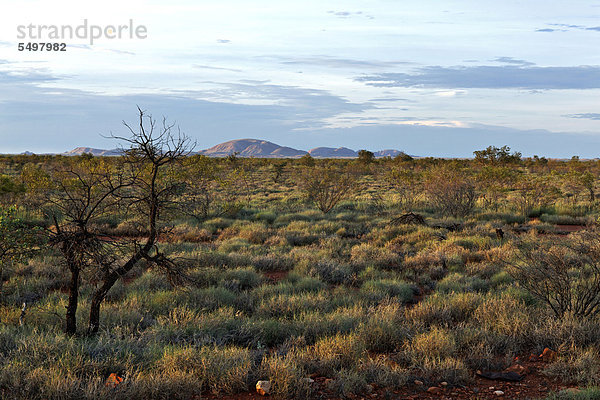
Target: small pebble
x,y
434,390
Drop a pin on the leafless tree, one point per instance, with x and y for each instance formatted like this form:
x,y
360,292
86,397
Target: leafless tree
x,y
154,155
451,192
327,186
77,192
563,274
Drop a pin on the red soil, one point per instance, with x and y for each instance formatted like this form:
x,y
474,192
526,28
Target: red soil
x,y
275,276
535,385
570,228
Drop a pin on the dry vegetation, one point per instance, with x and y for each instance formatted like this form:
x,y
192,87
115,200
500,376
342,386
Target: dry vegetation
x,y
268,270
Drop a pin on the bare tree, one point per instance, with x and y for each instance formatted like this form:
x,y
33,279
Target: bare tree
x,y
564,274
77,192
327,186
450,191
154,155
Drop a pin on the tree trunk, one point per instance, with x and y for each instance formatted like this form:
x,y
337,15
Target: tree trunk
x,y
108,282
71,317
592,195
97,299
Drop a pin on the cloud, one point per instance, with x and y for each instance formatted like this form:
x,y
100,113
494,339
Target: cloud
x,y
571,26
223,41
340,13
348,14
216,68
25,77
594,116
53,119
510,60
43,119
568,27
491,77
80,46
308,108
131,53
391,99
333,62
450,93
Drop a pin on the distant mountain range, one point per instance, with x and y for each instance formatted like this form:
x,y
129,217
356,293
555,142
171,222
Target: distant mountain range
x,y
265,149
250,148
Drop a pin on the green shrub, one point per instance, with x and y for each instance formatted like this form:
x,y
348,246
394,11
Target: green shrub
x,y
445,310
377,290
460,283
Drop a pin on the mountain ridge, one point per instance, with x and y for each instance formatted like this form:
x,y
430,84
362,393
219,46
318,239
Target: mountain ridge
x,y
249,148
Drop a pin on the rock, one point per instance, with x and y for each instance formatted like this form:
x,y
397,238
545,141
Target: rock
x,y
491,388
518,368
499,393
548,355
434,390
501,376
113,380
444,383
263,387
418,383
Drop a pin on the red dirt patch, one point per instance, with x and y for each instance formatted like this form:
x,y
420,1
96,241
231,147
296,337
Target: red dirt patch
x,y
239,396
535,385
275,276
570,228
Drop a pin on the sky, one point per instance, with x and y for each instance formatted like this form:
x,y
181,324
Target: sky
x,y
431,78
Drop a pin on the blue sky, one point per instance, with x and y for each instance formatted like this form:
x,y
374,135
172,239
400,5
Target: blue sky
x,y
440,78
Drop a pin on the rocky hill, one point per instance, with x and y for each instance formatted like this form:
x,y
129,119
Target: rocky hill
x,y
330,152
89,150
252,148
